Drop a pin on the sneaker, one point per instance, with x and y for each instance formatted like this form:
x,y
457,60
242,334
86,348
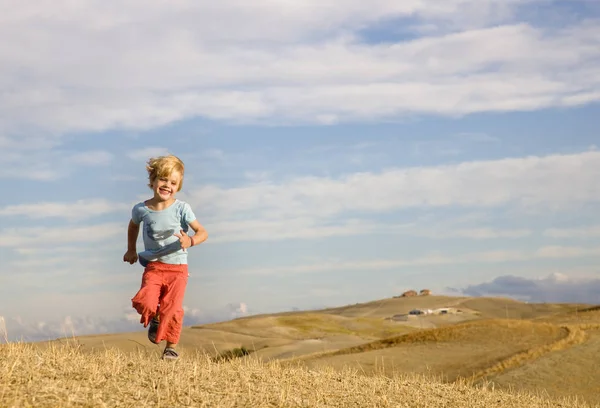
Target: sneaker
x,y
152,330
170,354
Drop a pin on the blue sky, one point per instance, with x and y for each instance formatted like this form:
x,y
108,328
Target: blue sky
x,y
336,152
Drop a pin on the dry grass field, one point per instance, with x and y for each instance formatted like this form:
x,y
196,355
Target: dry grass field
x,y
450,352
347,356
572,371
65,376
565,372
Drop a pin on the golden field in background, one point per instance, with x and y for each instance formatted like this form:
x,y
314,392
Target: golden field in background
x,y
423,351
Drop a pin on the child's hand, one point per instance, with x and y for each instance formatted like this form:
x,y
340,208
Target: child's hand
x,y
184,239
131,257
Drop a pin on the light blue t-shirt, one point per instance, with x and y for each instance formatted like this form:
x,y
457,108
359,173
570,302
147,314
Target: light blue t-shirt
x,y
160,243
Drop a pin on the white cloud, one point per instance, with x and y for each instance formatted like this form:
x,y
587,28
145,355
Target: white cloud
x,y
51,265
313,207
67,250
297,228
38,159
474,233
96,66
436,148
237,310
263,20
379,264
479,137
52,236
556,182
580,232
77,210
215,154
311,228
31,143
257,176
92,158
566,252
431,259
148,152
243,308
19,329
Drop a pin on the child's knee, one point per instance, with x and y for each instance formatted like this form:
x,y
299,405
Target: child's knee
x,y
142,303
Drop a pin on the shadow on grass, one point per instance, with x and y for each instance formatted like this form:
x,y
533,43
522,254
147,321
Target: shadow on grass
x,y
231,354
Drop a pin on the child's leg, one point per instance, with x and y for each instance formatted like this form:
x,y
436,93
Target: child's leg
x,y
171,305
146,299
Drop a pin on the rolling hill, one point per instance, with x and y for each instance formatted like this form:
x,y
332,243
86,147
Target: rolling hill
x,y
512,345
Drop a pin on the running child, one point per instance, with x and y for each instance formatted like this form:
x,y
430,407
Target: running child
x,y
166,221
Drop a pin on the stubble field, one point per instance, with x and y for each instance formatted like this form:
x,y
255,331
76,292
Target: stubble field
x,y
486,353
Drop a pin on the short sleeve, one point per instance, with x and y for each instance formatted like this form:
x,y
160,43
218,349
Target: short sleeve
x,y
137,213
187,215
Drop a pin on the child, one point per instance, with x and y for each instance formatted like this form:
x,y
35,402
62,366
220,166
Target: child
x,y
166,219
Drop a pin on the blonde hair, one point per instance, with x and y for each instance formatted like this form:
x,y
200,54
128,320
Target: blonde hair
x,y
163,166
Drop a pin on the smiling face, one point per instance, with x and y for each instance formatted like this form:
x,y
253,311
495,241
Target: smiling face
x,y
166,187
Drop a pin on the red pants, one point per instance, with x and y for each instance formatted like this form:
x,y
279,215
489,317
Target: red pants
x,y
162,291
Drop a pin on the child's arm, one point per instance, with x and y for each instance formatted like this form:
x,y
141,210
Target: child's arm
x,y
200,235
131,255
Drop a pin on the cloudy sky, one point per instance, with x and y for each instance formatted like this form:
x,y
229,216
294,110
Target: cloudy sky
x,y
336,152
